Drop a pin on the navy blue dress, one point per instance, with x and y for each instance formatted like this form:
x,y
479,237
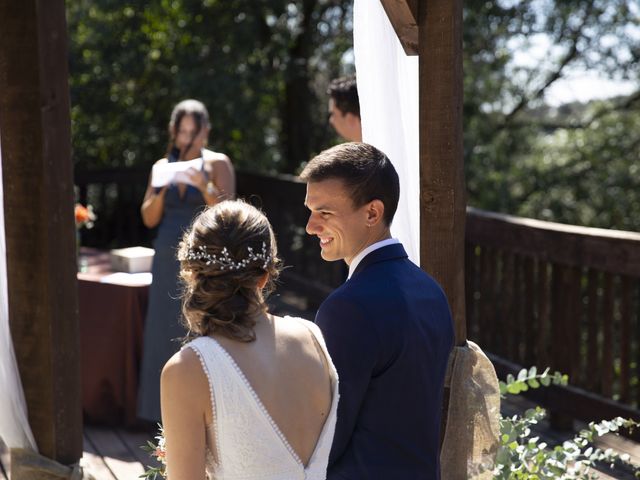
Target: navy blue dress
x,y
163,328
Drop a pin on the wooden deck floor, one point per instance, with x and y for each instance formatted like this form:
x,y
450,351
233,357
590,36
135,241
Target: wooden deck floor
x,y
115,453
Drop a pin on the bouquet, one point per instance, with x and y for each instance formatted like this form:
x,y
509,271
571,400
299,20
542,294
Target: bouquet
x,y
84,216
158,452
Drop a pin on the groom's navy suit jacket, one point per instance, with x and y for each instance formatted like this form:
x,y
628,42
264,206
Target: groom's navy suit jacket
x,y
389,332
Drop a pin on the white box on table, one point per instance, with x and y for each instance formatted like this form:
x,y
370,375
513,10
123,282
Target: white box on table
x,y
132,259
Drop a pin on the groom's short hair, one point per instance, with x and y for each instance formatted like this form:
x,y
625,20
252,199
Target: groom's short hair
x,y
365,171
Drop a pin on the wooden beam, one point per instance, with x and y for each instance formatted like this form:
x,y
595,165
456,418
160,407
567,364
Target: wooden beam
x,y
403,15
442,189
39,225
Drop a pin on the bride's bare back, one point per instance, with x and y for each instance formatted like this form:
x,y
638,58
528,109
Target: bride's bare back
x,y
289,373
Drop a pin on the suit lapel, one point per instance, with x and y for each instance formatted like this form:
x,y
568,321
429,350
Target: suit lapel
x,y
390,252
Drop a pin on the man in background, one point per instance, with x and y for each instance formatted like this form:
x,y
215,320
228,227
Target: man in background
x,y
344,108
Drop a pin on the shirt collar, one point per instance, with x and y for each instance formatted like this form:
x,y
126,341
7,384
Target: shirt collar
x,y
374,246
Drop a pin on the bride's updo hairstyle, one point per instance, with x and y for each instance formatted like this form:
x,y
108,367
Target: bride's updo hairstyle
x,y
223,256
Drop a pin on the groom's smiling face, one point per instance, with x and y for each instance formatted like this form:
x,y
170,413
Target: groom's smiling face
x,y
340,226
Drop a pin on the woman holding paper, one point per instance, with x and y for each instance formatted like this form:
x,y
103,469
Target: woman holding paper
x,y
180,186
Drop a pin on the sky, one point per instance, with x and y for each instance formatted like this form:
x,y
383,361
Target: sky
x,y
576,83
582,87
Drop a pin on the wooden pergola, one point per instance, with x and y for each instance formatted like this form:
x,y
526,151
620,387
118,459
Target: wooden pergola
x,y
38,194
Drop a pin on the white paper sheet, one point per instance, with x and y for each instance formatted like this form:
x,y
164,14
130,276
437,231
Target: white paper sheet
x,y
175,172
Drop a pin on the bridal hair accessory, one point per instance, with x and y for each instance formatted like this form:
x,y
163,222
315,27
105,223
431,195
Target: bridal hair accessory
x,y
225,261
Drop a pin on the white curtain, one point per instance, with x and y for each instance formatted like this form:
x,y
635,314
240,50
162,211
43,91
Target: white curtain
x,y
388,87
14,425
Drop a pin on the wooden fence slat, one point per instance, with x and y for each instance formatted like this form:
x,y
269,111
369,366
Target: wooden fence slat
x,y
529,293
543,315
518,308
635,344
625,335
506,294
607,337
470,288
485,288
560,351
593,352
573,314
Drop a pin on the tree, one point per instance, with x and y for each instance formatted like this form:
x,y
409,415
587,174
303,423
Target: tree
x,y
573,164
260,67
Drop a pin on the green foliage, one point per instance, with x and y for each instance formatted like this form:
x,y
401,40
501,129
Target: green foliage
x,y
531,379
575,163
522,456
260,67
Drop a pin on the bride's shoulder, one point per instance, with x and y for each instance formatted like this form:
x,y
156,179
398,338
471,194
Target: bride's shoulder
x,y
182,361
183,370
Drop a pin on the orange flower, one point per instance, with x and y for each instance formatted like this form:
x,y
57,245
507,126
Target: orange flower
x,y
82,214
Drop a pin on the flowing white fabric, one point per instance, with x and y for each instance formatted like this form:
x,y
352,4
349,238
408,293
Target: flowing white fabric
x,y
243,441
388,87
15,431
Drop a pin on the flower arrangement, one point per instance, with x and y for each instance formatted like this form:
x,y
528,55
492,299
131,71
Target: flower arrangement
x,y
84,216
157,451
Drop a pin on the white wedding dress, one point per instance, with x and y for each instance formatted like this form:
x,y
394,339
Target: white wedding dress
x,y
243,441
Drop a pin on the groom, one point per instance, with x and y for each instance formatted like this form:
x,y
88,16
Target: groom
x,y
388,327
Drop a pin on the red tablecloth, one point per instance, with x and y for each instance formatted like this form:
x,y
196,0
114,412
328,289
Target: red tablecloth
x,y
111,331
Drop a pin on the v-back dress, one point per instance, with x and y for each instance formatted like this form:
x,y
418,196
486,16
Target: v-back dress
x,y
162,325
243,441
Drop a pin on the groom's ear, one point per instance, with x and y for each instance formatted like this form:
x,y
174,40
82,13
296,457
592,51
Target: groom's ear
x,y
375,212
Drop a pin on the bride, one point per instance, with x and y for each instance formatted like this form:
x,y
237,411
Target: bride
x,y
253,395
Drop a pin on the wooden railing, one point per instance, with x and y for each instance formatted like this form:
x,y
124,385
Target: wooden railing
x,y
566,297
538,293
116,196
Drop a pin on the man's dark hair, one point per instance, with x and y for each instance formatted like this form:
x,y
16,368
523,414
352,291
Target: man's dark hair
x,y
366,172
344,92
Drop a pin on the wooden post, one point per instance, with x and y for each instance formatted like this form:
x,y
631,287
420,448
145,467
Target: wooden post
x,y
442,190
38,205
